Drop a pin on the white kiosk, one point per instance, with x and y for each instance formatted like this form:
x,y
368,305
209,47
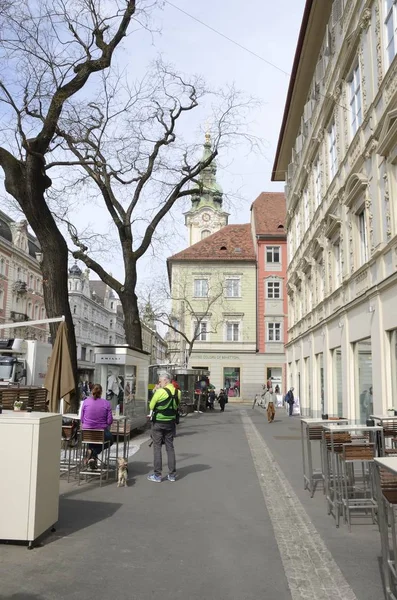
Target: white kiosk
x,y
123,373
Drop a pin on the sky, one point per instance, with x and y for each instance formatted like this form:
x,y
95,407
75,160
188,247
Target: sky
x,y
266,28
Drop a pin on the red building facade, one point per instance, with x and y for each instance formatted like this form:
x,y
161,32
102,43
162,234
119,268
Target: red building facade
x,y
268,213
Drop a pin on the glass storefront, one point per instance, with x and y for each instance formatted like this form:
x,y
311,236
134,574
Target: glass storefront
x,y
363,353
320,379
231,381
338,380
308,389
393,356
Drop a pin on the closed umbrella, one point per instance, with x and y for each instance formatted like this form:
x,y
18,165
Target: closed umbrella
x,y
59,380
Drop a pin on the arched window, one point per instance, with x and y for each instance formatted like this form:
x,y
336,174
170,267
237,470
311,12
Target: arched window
x,y
42,312
205,233
110,340
36,311
2,267
30,310
70,286
18,273
111,324
76,286
31,281
74,309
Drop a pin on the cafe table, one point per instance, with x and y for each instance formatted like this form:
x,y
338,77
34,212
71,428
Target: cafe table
x,y
311,430
333,484
386,490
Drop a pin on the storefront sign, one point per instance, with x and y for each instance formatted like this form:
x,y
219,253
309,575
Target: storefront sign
x,y
215,356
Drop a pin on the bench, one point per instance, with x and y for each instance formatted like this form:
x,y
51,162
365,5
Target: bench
x,y
32,397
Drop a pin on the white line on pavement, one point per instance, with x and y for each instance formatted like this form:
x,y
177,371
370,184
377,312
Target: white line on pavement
x,y
311,571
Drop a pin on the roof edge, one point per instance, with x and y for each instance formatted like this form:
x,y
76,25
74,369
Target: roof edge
x,y
295,66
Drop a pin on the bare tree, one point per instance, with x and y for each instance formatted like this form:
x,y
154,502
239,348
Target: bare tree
x,y
129,147
187,320
48,52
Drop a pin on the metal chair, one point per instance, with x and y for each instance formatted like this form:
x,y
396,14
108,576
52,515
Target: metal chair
x,y
70,450
357,486
95,437
388,484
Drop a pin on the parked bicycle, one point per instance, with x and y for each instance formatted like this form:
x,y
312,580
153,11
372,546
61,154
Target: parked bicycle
x,y
185,404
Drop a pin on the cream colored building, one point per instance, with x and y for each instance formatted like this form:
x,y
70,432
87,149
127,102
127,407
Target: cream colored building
x,y
213,286
337,153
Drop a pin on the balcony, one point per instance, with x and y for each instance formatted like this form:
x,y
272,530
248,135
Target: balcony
x,y
17,317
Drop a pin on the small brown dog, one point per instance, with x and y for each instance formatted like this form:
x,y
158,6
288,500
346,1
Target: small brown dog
x,y
123,472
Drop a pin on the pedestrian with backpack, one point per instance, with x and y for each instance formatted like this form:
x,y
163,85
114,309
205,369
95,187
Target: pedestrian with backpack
x,y
164,415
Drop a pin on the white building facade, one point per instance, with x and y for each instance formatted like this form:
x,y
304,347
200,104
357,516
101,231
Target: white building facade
x,y
98,319
337,153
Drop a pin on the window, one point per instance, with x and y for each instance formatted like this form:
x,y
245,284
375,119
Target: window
x,y
333,158
36,311
391,29
317,184
111,305
337,264
273,254
298,229
363,237
233,288
2,267
110,339
274,332
1,299
201,331
30,310
111,324
31,281
232,332
201,288
306,208
273,290
205,233
355,100
83,353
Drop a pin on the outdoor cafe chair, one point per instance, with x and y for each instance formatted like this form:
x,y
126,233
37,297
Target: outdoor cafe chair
x,y
70,450
357,484
94,437
388,485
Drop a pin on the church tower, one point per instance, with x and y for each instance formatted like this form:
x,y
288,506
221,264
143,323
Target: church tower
x,y
206,215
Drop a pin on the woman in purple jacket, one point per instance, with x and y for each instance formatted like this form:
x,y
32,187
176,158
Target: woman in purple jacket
x,y
96,414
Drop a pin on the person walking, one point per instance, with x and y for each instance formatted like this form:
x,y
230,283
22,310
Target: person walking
x,y
289,398
211,399
271,411
222,399
163,412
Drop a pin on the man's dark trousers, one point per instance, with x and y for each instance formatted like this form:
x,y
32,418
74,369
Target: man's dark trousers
x,y
163,432
291,408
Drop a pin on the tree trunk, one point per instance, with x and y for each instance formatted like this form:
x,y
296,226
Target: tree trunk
x,y
132,323
27,183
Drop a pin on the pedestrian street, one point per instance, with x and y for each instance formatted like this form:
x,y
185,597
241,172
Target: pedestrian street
x,y
236,525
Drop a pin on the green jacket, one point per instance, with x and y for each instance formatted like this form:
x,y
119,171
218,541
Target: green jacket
x,y
164,405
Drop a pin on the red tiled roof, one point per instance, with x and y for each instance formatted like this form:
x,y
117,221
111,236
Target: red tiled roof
x,y
269,212
232,242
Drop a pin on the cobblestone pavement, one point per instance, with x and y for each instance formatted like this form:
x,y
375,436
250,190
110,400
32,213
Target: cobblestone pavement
x,y
311,572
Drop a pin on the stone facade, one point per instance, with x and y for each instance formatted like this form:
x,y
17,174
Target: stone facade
x,y
98,319
337,153
21,282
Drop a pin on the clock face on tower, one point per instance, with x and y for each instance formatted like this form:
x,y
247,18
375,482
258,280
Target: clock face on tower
x,y
206,217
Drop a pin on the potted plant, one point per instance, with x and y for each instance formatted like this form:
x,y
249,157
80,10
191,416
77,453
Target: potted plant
x,y
18,404
390,412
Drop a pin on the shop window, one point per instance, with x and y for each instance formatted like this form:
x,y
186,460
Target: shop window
x,y
231,380
337,357
363,356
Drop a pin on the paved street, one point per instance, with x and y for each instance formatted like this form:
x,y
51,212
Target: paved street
x,y
235,526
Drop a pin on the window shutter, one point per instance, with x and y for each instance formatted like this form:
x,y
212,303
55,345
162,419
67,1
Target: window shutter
x,y
337,10
328,42
308,111
299,144
320,70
